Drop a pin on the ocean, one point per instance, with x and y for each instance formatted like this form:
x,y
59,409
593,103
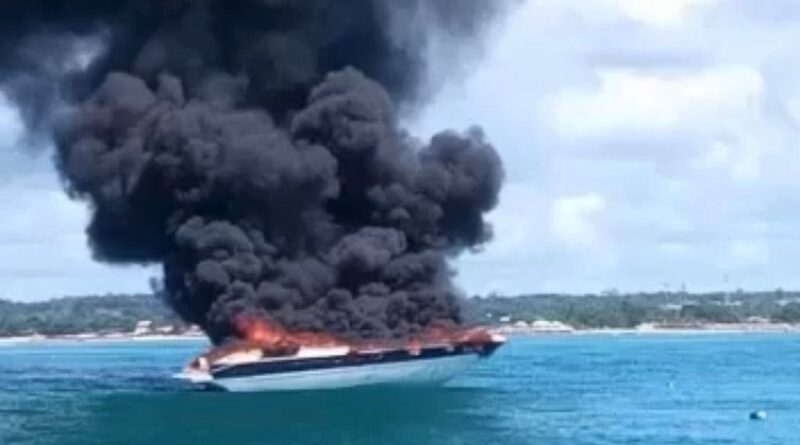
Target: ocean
x,y
575,390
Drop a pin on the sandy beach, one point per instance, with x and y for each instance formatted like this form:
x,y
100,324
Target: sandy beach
x,y
710,329
12,341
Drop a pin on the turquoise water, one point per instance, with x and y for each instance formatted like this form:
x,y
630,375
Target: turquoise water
x,y
553,390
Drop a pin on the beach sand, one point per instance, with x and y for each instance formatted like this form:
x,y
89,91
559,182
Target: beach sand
x,y
12,341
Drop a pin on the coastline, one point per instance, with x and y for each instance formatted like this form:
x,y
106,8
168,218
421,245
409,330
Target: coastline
x,y
96,338
645,330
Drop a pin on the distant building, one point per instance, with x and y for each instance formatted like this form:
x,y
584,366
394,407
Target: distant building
x,y
550,326
143,327
165,330
646,327
193,330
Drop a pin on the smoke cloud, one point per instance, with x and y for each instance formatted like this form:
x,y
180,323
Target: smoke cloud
x,y
253,148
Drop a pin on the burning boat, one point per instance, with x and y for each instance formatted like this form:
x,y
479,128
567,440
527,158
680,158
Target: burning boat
x,y
271,359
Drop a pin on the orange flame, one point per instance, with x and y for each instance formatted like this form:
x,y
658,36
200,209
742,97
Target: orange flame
x,y
274,340
270,336
259,331
264,333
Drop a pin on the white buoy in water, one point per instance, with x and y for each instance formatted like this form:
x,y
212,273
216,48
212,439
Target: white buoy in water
x,y
758,415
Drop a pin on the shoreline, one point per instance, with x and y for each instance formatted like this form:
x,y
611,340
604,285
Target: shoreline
x,y
649,330
92,338
742,329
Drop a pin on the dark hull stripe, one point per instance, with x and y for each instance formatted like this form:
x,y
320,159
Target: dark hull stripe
x,y
366,359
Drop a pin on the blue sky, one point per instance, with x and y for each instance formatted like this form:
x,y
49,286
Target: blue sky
x,y
648,144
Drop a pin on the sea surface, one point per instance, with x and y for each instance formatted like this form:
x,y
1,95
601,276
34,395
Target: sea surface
x,y
576,390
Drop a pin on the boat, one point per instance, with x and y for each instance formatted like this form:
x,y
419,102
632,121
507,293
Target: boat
x,y
335,367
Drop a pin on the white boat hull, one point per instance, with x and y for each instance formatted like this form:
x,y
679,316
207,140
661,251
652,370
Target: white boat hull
x,y
332,368
415,372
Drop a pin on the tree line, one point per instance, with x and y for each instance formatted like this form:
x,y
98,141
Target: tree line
x,y
615,310
87,314
121,313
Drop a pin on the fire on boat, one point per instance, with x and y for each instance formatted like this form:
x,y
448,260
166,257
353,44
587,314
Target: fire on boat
x,y
269,358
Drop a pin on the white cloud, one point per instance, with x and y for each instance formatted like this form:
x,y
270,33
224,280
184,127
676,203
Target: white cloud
x,y
747,253
11,128
656,13
660,12
574,219
523,231
742,161
627,100
650,138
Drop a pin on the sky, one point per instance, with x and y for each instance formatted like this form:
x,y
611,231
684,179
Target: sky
x,y
648,144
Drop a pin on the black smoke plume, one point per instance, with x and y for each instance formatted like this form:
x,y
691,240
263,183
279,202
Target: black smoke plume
x,y
253,148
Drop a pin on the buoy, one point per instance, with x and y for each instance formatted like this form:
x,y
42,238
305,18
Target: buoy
x,y
758,415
